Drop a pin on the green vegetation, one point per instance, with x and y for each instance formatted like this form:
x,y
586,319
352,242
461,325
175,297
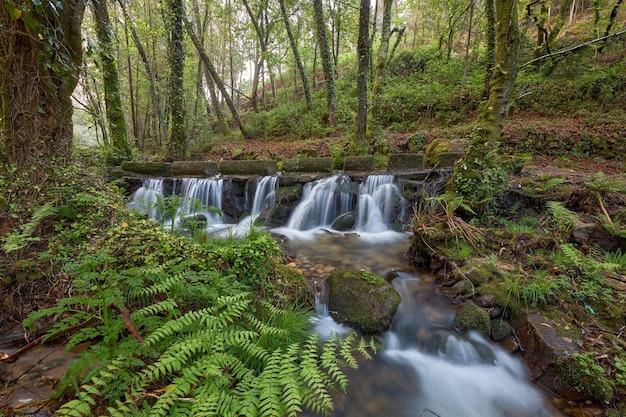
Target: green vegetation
x,y
173,325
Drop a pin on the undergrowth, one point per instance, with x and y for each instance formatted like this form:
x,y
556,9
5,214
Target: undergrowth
x,y
170,325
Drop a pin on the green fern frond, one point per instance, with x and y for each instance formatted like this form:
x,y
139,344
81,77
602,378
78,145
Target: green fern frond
x,y
562,216
155,309
572,255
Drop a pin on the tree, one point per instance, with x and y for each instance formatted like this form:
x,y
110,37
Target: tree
x,y
177,143
218,81
40,61
363,49
329,73
480,174
296,56
381,59
120,145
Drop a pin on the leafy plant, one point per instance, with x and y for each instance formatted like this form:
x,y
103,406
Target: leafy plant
x,y
563,219
183,337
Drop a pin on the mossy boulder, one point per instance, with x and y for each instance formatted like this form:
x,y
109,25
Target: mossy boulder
x,y
362,300
500,330
444,152
586,377
344,222
472,317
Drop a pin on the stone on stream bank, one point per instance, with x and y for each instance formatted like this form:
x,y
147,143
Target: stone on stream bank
x,y
362,300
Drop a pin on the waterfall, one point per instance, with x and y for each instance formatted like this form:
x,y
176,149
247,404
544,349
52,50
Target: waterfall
x,y
322,202
374,204
264,196
145,199
201,196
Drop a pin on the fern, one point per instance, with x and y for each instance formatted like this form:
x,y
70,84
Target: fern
x,y
563,218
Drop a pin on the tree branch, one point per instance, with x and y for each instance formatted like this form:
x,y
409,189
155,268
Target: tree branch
x,y
574,48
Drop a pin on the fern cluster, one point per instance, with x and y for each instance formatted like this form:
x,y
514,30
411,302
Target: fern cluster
x,y
189,337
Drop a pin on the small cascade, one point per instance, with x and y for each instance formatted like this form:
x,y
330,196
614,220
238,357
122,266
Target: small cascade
x,y
201,196
374,204
428,368
322,202
145,199
264,196
378,195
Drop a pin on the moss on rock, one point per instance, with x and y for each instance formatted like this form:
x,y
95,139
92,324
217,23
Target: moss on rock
x,y
362,300
472,317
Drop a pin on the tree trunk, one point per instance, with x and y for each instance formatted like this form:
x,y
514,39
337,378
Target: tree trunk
x,y
505,71
218,81
490,14
177,143
221,120
480,176
149,74
296,56
120,146
329,74
612,17
40,61
467,47
381,59
363,49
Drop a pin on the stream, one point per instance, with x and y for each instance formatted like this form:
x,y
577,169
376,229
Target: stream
x,y
425,368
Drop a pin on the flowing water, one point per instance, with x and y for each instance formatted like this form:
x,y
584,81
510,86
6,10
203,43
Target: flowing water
x,y
426,367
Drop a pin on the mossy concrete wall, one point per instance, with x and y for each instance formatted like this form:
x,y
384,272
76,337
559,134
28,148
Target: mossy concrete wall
x,y
308,165
194,168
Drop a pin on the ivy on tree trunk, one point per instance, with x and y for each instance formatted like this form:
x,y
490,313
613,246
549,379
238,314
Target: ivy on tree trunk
x,y
324,47
120,145
40,61
177,144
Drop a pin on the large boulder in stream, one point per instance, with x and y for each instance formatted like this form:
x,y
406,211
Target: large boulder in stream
x,y
362,300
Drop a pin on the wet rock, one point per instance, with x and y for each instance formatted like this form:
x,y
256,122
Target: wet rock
x,y
472,317
157,169
591,234
500,330
344,222
541,346
362,300
462,288
485,301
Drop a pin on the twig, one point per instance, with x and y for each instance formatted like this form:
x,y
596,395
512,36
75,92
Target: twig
x,y
15,356
129,325
608,218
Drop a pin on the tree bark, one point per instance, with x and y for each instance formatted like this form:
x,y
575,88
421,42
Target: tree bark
x,y
120,149
40,62
329,73
381,59
505,71
296,56
363,48
490,14
177,143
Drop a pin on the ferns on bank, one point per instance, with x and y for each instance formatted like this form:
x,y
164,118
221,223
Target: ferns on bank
x,y
181,339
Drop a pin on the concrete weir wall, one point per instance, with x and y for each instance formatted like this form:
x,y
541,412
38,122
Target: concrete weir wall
x,y
241,177
399,164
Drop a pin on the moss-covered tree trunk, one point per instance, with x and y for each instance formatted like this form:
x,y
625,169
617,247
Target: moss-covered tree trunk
x,y
40,61
118,134
327,64
481,174
381,59
490,35
505,70
296,55
363,48
177,143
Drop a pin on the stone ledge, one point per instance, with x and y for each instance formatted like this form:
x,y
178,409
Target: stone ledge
x,y
194,168
405,162
308,165
263,167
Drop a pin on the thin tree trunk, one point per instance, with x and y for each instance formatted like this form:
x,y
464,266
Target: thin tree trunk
x,y
490,14
162,124
467,48
218,81
133,108
296,56
610,24
329,74
120,145
381,59
363,49
219,114
399,32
